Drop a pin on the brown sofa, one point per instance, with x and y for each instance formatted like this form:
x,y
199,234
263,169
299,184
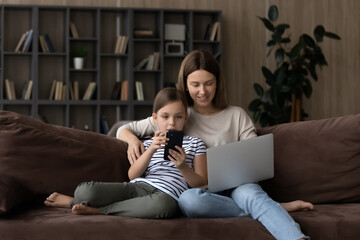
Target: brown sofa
x,y
318,161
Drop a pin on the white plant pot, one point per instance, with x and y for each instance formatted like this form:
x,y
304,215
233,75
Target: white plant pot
x,y
78,63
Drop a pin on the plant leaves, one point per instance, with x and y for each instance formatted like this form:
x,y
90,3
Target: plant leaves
x,y
255,104
257,115
264,119
273,13
258,89
319,32
267,24
295,51
307,88
332,35
270,43
308,40
268,75
279,55
285,40
280,76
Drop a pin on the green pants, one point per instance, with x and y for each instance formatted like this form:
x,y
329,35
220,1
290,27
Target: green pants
x,y
126,199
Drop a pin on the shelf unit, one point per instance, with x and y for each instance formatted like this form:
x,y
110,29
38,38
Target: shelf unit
x,y
98,29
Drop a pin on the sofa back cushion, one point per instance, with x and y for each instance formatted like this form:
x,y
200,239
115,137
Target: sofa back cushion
x,y
317,161
45,158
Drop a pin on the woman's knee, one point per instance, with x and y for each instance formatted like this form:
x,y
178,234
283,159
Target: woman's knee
x,y
190,196
191,203
249,195
248,191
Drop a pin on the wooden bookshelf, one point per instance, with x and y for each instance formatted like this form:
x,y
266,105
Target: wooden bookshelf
x,y
98,29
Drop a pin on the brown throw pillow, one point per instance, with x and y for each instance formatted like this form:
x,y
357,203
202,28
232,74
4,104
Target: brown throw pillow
x,y
47,158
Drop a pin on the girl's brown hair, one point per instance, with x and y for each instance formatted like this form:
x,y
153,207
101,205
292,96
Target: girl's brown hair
x,y
203,60
166,96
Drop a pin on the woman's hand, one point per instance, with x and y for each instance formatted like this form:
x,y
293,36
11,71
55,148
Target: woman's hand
x,y
135,149
178,158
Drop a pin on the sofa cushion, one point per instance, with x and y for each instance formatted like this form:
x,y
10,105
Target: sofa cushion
x,y
47,158
12,193
317,161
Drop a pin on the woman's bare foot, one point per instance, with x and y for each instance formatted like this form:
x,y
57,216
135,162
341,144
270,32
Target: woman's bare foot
x,y
297,206
58,200
82,209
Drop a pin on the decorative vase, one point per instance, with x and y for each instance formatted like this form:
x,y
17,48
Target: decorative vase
x,y
78,63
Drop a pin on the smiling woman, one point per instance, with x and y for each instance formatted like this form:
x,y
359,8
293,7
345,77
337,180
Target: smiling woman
x,y
211,119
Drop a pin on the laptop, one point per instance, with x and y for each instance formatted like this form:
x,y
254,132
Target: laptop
x,y
246,161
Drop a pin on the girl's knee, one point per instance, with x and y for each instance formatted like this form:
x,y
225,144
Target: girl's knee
x,y
85,192
164,207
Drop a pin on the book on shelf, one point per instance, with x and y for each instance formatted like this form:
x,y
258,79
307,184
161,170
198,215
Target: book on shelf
x,y
42,44
156,60
207,32
76,90
150,63
63,92
121,44
8,90
21,42
218,34
45,43
143,33
116,91
104,126
214,30
59,90
90,90
124,90
73,30
28,41
139,91
52,90
71,89
27,90
142,64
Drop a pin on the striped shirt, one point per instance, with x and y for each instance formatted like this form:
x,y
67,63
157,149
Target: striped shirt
x,y
163,174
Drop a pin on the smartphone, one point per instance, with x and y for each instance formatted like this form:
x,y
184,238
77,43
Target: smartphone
x,y
175,139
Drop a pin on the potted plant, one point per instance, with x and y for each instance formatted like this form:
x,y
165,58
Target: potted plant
x,y
79,53
282,100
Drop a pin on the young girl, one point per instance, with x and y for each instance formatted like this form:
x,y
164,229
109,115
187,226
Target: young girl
x,y
156,184
211,118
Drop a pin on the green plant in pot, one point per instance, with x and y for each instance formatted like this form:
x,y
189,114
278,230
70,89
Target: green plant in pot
x,y
78,54
281,101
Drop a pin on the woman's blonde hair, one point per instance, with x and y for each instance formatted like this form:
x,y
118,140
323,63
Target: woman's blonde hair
x,y
202,60
166,96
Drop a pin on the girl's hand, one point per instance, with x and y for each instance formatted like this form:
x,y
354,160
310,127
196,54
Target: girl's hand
x,y
159,140
178,158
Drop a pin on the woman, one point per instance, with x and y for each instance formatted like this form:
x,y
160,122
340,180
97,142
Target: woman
x,y
216,123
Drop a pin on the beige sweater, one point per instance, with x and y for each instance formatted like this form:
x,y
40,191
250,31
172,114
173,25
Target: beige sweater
x,y
230,125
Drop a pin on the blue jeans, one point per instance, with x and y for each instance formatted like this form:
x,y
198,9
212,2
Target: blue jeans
x,y
245,200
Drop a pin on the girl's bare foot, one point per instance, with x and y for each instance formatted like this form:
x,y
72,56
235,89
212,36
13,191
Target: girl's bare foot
x,y
58,200
82,209
297,206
